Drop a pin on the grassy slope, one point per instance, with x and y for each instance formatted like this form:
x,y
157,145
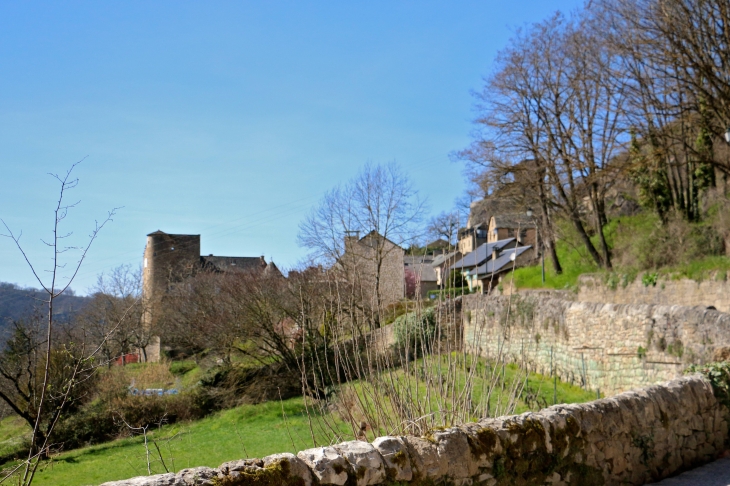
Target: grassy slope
x,y
540,388
13,432
576,261
245,431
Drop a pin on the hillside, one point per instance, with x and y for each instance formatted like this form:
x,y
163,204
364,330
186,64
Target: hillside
x,y
17,302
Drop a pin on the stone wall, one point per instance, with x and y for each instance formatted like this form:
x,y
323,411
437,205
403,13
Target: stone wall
x,y
711,292
611,347
632,438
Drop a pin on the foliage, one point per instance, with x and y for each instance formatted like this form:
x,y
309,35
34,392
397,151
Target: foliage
x,y
415,332
22,365
456,280
649,279
639,243
719,376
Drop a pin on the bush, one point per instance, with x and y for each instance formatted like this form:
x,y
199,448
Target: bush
x,y
646,244
456,280
102,421
719,376
415,332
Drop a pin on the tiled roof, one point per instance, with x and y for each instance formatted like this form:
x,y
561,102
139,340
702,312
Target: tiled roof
x,y
502,262
480,255
233,264
439,259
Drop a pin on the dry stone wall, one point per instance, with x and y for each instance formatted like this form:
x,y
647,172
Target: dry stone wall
x,y
714,291
606,347
632,438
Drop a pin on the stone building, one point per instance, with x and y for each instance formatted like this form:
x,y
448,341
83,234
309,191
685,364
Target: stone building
x,y
170,259
376,266
481,212
515,225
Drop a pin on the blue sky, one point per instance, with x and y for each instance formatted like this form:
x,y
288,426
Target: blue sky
x,y
229,119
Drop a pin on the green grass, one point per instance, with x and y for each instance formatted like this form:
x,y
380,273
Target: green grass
x,y
700,269
537,394
245,431
574,260
14,431
622,236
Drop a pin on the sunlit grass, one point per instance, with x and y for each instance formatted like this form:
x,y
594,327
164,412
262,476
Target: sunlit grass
x,y
620,232
245,431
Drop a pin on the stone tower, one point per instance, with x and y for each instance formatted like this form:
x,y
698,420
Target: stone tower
x,y
167,259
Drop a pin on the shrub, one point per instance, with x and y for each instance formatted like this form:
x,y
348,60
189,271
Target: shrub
x,y
649,279
646,244
719,376
415,331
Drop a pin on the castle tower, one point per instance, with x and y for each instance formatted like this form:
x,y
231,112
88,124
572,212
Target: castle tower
x,y
167,259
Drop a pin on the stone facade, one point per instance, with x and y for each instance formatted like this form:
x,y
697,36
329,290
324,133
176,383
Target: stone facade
x,y
712,292
611,347
632,438
516,226
375,265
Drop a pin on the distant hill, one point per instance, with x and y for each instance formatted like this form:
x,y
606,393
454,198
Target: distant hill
x,y
17,302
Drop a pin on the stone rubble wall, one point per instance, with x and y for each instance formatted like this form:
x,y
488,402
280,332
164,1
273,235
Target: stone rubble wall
x,y
667,291
632,438
606,347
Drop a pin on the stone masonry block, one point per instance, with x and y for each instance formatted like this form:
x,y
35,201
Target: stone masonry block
x,y
326,464
296,467
453,447
365,461
425,459
394,452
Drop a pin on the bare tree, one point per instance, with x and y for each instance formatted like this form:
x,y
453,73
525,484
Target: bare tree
x,y
379,204
552,119
114,317
445,225
676,56
52,399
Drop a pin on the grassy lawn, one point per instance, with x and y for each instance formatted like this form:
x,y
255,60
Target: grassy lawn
x,y
245,431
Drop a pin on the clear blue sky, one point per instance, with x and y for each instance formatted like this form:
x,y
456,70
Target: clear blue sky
x,y
230,119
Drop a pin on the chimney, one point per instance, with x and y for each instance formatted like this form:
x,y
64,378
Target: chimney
x,y
495,252
351,237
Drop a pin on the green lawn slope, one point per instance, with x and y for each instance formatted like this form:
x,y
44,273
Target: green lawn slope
x,y
241,432
638,244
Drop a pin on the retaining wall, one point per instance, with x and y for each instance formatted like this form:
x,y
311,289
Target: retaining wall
x,y
714,291
632,438
611,347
